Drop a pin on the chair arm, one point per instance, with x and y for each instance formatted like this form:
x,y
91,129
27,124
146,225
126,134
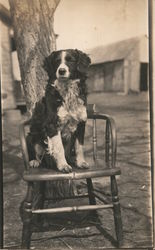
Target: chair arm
x,y
110,124
23,143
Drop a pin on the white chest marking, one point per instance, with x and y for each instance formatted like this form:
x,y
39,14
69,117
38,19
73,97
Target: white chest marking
x,y
73,109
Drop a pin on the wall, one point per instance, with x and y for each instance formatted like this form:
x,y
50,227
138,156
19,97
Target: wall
x,y
106,77
7,77
113,75
134,71
95,81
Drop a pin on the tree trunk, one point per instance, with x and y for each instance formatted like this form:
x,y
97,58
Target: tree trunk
x,y
35,39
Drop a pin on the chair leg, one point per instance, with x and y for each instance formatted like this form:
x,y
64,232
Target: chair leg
x,y
92,200
41,203
26,236
27,218
117,211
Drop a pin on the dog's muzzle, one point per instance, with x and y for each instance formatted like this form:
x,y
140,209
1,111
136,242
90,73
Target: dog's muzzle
x,y
63,72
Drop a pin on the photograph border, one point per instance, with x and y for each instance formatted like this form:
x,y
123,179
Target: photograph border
x,y
151,21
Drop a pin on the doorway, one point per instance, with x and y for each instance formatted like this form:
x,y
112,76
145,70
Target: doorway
x,y
144,77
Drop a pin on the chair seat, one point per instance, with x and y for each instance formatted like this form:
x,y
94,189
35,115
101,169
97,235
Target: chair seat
x,y
38,174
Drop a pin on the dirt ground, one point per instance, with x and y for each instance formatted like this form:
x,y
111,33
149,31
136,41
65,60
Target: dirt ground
x,y
131,114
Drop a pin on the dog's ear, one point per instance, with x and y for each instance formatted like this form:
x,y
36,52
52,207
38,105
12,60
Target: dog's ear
x,y
83,61
48,65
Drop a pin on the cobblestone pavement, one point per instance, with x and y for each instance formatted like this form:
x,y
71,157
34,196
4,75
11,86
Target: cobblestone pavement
x,y
132,118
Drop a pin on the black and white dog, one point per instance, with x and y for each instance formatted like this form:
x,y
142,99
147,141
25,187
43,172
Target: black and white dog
x,y
58,121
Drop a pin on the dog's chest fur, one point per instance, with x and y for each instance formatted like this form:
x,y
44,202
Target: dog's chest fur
x,y
73,110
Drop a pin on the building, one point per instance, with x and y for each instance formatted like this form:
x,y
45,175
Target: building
x,y
119,67
7,87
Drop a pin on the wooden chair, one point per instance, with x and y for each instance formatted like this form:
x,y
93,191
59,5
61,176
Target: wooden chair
x,y
108,169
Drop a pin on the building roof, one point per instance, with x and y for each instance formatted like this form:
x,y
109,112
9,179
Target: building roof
x,y
112,52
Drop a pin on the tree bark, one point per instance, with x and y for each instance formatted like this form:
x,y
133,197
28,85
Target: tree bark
x,y
35,39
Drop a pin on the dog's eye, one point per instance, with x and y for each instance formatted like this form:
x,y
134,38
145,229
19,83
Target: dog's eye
x,y
57,60
68,58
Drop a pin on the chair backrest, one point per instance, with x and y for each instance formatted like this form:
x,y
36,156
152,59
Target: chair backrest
x,y
22,136
110,137
91,110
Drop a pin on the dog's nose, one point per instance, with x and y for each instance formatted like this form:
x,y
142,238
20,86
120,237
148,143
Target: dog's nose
x,y
62,71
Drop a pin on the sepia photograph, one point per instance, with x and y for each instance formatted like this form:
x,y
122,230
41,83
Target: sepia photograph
x,y
76,118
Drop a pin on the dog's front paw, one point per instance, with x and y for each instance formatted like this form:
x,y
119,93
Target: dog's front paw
x,y
82,164
34,163
66,168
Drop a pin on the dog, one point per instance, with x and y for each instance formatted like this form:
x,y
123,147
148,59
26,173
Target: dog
x,y
57,126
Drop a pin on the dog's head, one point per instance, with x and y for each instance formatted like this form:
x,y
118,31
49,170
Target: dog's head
x,y
66,64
